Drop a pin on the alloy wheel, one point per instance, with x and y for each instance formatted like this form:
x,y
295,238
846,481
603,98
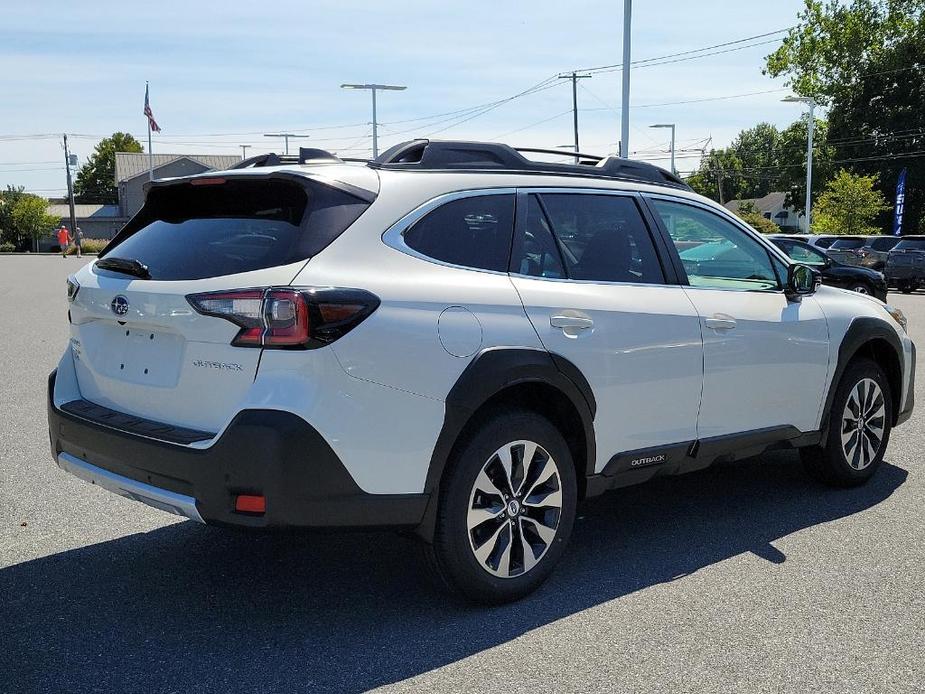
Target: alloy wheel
x,y
861,289
863,423
514,509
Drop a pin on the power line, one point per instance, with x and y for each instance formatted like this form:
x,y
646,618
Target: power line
x,y
619,66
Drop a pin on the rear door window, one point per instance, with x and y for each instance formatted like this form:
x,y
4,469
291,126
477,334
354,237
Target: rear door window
x,y
187,231
600,238
473,232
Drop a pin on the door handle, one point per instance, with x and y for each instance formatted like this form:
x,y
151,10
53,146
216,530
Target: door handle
x,y
571,322
720,322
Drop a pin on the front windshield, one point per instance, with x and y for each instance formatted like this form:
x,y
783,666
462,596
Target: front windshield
x,y
911,245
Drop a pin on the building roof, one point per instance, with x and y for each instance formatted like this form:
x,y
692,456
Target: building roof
x,y
769,203
99,212
131,164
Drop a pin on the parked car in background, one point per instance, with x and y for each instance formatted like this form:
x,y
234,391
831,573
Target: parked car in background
x,y
858,279
874,253
847,249
905,265
816,240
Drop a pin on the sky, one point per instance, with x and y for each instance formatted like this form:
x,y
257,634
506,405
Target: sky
x,y
224,73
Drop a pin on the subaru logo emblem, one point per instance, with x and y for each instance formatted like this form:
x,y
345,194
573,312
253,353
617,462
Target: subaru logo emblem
x,y
119,305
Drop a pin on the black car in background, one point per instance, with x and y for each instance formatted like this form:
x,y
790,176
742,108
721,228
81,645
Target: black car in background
x,y
905,265
858,279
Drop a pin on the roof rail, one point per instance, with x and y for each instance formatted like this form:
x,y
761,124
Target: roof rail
x,y
307,155
435,155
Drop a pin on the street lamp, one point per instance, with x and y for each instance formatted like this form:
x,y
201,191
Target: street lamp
x,y
672,126
285,136
374,88
810,126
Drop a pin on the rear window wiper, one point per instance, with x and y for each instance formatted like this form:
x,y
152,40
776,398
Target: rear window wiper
x,y
127,266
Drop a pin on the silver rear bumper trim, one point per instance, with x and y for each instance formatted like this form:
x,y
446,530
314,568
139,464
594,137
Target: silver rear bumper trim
x,y
162,499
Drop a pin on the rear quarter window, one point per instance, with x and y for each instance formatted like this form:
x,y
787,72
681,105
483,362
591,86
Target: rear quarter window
x,y
187,231
473,232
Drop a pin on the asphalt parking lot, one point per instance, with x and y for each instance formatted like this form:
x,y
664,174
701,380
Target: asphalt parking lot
x,y
745,577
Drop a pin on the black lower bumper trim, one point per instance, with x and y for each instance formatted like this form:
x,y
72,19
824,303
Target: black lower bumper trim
x,y
906,412
276,454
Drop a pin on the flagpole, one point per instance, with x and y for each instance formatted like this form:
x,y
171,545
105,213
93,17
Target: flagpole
x,y
150,151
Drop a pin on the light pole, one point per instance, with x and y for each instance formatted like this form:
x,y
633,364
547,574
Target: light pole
x,y
627,58
374,88
244,149
285,137
810,126
672,126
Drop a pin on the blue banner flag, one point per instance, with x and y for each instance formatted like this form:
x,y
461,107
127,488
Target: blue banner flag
x,y
900,204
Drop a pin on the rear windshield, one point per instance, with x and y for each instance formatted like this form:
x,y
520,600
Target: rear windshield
x,y
188,232
911,245
883,244
847,243
825,243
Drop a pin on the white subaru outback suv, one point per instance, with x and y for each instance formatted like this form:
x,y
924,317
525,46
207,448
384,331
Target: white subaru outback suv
x,y
456,339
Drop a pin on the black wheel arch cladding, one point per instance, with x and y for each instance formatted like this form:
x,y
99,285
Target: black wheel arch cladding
x,y
491,373
868,336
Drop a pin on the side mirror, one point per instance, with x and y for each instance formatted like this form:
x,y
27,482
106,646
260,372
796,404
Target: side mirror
x,y
802,281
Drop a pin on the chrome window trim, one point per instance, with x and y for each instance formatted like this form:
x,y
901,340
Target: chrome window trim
x,y
394,236
724,214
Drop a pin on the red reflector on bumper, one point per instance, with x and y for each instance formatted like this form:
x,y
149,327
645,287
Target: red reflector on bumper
x,y
250,504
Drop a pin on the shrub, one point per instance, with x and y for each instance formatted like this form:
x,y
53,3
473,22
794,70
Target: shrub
x,y
7,247
89,246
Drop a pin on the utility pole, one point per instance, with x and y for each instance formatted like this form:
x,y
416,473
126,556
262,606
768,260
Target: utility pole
x,y
374,88
575,77
243,151
285,137
672,126
719,181
810,126
627,59
70,188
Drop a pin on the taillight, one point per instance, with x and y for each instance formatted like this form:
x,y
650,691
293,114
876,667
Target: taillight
x,y
72,288
281,318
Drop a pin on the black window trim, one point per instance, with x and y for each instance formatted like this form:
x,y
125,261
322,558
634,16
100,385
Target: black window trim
x,y
394,236
661,250
773,251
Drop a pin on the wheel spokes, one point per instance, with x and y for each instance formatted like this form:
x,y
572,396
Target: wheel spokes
x,y
514,509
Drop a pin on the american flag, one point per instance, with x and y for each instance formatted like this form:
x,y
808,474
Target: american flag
x,y
151,122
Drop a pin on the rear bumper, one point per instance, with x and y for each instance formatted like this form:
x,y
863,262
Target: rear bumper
x,y
900,272
267,452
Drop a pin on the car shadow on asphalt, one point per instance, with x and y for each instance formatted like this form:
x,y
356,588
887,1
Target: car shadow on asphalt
x,y
193,608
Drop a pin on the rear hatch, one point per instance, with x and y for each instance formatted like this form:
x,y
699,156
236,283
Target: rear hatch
x,y
907,258
846,251
140,347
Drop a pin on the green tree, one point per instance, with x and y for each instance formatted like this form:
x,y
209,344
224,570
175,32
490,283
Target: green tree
x,y
719,176
8,199
865,61
30,219
96,179
751,216
849,205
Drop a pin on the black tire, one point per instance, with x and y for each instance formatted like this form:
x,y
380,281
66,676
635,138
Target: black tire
x,y
830,462
453,553
905,287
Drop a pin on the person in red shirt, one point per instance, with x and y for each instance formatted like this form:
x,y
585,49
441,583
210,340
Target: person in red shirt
x,y
64,240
